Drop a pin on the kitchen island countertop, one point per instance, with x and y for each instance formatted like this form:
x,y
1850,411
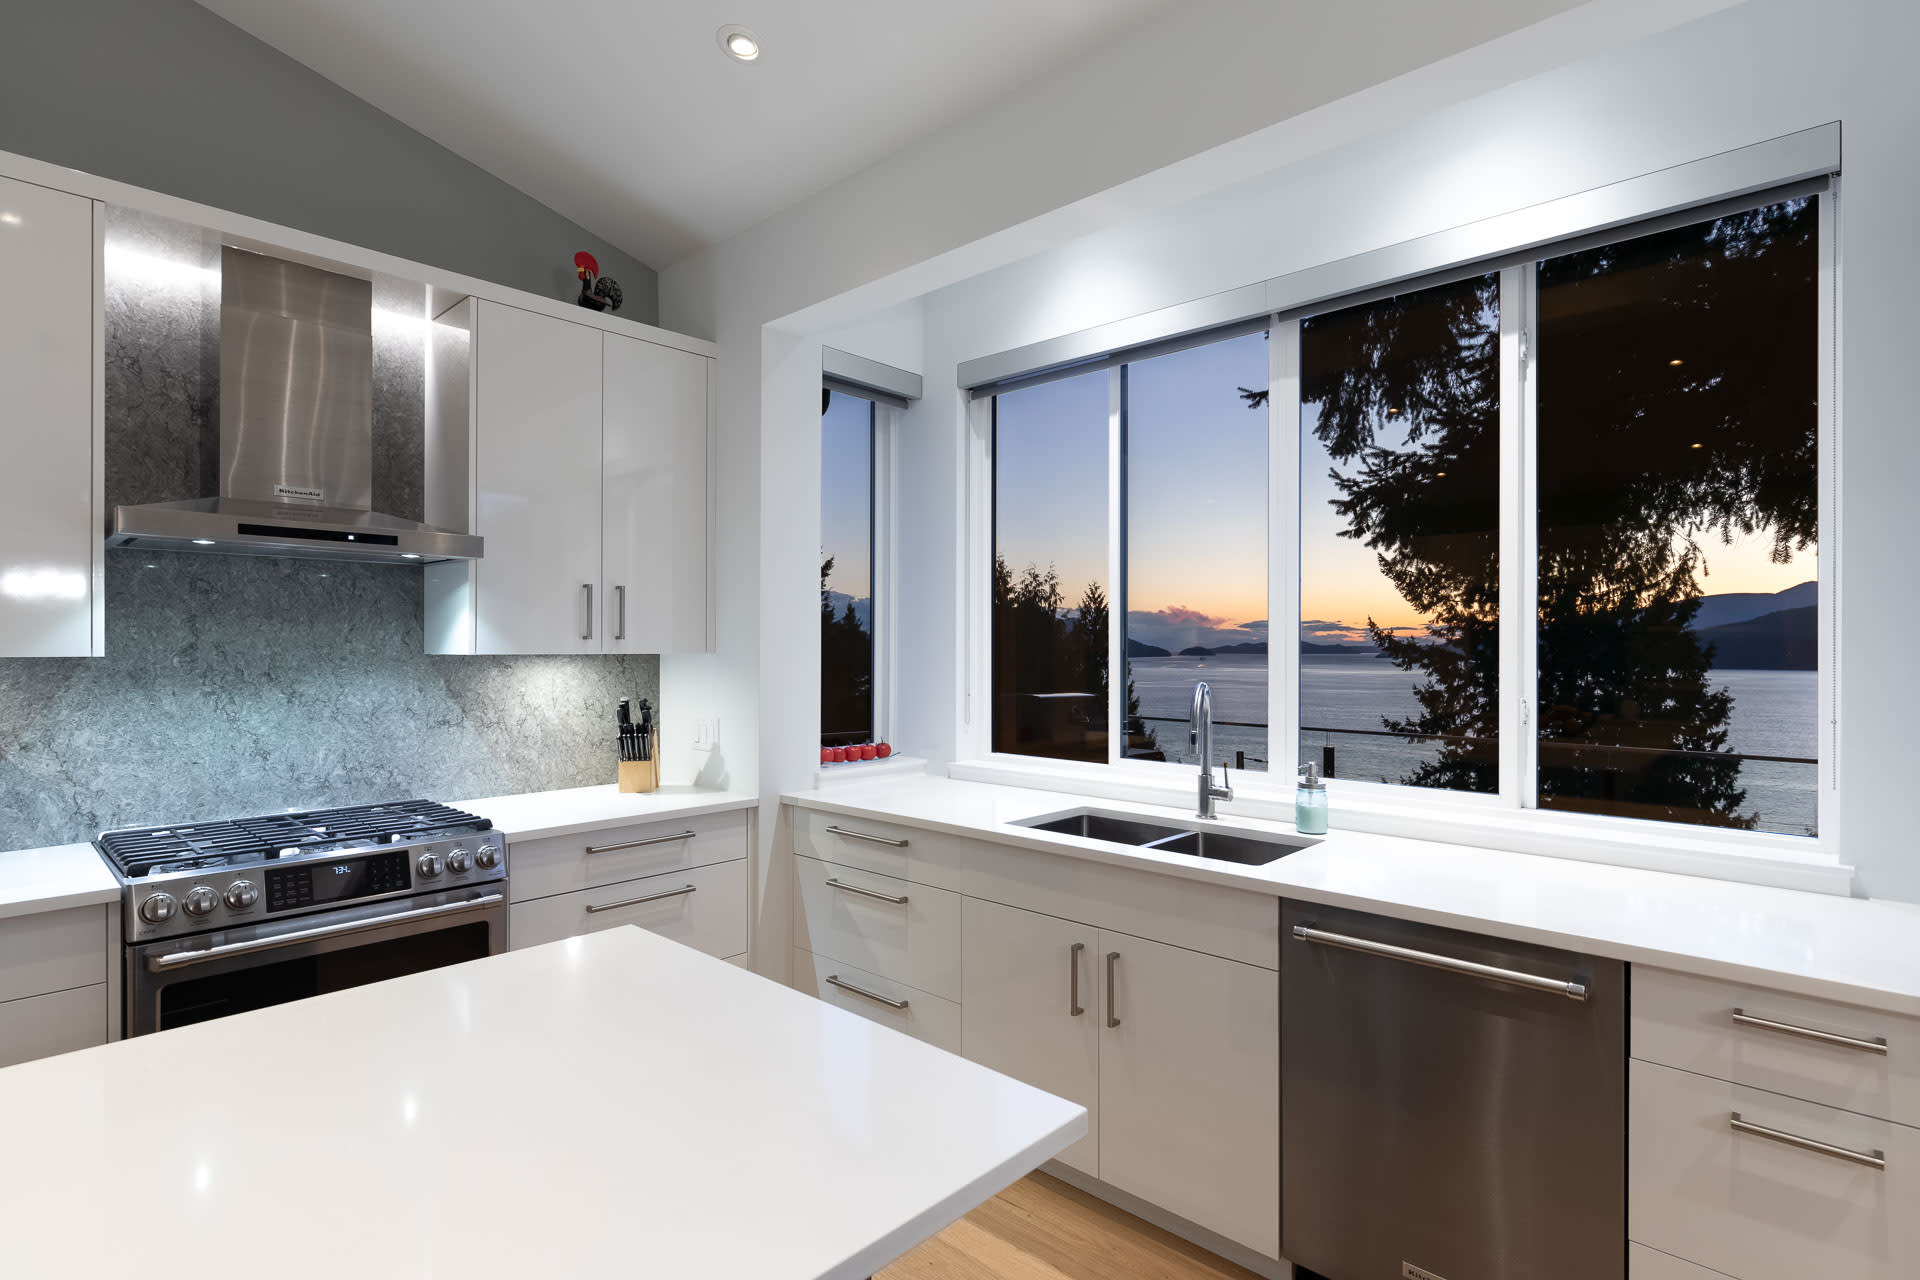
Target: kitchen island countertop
x,y
607,1105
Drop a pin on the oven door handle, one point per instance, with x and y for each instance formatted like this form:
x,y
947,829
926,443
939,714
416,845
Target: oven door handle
x,y
179,959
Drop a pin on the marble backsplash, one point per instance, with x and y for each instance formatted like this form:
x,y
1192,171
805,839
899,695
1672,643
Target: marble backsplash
x,y
238,685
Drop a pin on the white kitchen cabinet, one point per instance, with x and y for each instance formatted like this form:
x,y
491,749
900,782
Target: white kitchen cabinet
x,y
581,458
704,908
907,932
1190,1086
1807,1190
653,497
535,480
52,556
58,1022
1029,1007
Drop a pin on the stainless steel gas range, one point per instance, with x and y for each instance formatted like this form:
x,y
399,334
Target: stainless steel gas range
x,y
223,917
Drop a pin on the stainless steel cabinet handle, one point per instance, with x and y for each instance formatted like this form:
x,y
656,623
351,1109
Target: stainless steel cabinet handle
x,y
640,844
1876,1045
586,617
620,613
1511,977
1113,958
836,980
176,959
900,901
1073,980
1875,1159
634,902
861,835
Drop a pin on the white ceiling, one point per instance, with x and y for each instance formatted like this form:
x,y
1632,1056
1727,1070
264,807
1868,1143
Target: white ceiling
x,y
625,116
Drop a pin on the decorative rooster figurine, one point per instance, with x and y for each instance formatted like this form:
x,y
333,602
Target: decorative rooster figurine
x,y
597,292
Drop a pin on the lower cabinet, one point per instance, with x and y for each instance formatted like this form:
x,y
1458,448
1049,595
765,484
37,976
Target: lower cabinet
x,y
706,908
878,998
1760,1186
58,1022
1030,1008
1175,1055
1190,1086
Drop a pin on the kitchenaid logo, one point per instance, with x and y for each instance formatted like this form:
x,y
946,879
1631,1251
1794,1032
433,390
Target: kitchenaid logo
x,y
1410,1272
296,491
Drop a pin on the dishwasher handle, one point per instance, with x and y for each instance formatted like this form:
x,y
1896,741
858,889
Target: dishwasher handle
x,y
1492,973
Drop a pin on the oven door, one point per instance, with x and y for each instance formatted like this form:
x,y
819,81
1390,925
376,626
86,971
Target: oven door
x,y
180,981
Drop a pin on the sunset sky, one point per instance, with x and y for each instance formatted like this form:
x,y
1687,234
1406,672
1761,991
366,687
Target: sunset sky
x,y
1198,510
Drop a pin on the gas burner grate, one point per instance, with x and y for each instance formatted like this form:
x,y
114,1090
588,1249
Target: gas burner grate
x,y
140,852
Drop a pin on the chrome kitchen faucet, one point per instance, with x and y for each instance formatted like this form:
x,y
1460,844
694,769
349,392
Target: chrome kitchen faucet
x,y
1200,736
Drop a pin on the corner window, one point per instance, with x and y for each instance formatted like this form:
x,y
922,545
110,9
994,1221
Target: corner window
x,y
846,570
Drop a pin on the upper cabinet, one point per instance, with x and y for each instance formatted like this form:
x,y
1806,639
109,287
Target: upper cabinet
x,y
653,496
581,457
52,552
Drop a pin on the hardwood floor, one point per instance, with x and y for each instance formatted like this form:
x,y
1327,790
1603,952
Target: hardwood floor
x,y
1042,1229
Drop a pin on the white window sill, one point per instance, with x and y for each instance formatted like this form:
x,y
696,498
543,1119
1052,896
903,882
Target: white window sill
x,y
1785,862
828,775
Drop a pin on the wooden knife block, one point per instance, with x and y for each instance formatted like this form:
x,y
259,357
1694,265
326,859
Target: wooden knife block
x,y
637,776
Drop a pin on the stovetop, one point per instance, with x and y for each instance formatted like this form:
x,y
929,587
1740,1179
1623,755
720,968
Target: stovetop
x,y
140,853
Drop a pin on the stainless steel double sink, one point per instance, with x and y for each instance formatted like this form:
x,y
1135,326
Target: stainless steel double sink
x,y
1244,847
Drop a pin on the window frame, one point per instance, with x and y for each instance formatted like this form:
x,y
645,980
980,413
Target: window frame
x,y
1509,818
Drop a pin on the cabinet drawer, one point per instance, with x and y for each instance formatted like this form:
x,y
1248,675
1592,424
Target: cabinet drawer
x,y
53,951
561,864
1651,1264
884,848
705,908
41,1026
1757,1208
1690,1023
903,931
925,1017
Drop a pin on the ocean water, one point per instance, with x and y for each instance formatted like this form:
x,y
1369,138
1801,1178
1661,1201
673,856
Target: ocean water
x,y
1775,713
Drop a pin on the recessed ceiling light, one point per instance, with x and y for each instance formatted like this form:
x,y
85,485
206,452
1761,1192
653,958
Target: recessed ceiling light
x,y
739,43
1696,445
1676,363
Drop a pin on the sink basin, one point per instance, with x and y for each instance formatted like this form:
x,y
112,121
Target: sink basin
x,y
1114,828
1245,847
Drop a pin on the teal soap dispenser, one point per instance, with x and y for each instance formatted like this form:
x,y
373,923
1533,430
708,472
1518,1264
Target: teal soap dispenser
x,y
1310,803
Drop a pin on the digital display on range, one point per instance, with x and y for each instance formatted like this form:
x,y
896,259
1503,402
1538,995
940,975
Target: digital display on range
x,y
311,883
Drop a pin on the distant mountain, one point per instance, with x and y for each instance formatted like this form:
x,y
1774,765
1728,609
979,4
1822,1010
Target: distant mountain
x,y
1139,649
1745,606
1786,640
1201,651
862,607
1307,646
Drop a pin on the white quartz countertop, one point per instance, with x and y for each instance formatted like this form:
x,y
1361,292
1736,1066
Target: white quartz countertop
x,y
53,879
1863,952
564,813
608,1105
72,875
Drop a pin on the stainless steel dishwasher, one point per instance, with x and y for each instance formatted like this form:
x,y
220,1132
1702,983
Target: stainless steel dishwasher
x,y
1453,1107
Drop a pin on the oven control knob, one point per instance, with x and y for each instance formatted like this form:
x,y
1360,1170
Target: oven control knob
x,y
199,900
488,857
459,862
431,864
242,894
158,909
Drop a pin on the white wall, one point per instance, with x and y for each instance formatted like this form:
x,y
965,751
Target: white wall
x,y
1734,78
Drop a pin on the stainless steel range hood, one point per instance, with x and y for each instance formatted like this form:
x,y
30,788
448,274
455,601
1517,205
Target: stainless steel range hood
x,y
296,431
